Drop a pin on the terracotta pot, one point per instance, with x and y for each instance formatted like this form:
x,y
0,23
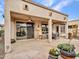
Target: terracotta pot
x,y
66,57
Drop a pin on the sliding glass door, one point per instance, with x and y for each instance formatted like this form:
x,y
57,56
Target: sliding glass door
x,y
24,30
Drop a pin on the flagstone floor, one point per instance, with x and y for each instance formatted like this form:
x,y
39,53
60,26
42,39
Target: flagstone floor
x,y
36,49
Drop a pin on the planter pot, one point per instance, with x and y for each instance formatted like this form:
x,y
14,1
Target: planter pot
x,y
13,41
52,57
68,55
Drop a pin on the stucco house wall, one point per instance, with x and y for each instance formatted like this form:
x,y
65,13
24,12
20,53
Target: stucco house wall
x,y
39,13
33,10
73,22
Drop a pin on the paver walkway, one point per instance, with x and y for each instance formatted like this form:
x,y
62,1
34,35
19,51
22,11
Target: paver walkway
x,y
35,49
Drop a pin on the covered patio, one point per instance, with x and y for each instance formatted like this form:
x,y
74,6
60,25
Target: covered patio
x,y
36,27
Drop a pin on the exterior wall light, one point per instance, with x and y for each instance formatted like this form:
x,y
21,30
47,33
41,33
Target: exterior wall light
x,y
50,14
64,18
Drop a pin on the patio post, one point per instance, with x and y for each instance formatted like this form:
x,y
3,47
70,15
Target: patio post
x,y
37,29
50,30
66,29
59,30
7,36
13,29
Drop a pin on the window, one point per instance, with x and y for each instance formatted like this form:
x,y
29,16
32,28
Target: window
x,y
45,30
72,26
62,28
69,27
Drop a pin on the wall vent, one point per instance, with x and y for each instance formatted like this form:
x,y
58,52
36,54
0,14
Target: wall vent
x,y
26,7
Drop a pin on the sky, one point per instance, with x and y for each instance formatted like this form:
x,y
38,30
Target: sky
x,y
1,11
69,7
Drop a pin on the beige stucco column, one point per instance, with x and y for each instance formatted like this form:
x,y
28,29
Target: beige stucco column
x,y
53,28
66,29
37,29
13,29
7,28
50,30
59,30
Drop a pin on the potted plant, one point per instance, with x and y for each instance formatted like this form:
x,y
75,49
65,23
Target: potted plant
x,y
13,41
53,54
77,55
67,51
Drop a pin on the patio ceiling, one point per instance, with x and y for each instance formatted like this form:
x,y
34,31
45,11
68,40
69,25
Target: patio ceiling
x,y
25,18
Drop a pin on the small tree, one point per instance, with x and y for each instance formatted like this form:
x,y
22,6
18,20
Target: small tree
x,y
1,32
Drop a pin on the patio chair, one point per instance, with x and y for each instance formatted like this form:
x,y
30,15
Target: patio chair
x,y
55,35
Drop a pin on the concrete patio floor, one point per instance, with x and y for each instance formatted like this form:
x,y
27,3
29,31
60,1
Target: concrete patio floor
x,y
35,49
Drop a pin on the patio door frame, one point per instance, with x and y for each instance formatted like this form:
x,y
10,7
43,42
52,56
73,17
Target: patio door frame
x,y
27,24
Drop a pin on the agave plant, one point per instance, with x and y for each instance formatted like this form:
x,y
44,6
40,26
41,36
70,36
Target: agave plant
x,y
77,54
54,52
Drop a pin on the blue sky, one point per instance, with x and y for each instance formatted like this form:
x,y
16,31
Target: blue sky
x,y
70,7
1,11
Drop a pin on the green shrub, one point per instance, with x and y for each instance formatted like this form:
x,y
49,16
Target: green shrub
x,y
77,55
1,32
66,47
